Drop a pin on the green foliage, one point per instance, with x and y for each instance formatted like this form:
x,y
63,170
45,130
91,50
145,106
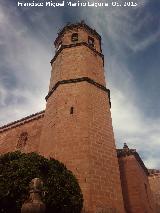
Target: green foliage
x,y
63,194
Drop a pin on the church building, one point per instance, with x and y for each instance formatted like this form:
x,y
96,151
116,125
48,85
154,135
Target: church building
x,y
76,129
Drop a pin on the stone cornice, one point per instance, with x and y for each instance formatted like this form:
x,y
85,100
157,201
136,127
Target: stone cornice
x,y
127,152
77,25
22,121
76,45
154,172
77,80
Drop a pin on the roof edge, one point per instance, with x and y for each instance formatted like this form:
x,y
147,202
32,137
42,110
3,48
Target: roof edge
x,y
21,121
154,172
125,153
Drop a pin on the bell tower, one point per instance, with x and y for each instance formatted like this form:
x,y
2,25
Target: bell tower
x,y
77,128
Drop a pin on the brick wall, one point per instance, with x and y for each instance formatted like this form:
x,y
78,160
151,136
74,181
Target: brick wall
x,y
21,135
135,186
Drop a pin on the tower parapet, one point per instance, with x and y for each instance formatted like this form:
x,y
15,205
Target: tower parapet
x,y
76,32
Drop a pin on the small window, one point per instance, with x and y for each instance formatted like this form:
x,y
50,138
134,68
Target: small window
x,y
91,41
74,37
22,140
71,110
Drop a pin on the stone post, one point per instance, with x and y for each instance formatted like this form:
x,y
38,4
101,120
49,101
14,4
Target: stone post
x,y
34,204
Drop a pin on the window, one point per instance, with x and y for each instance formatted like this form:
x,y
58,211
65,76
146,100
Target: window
x,y
74,37
71,110
91,41
22,140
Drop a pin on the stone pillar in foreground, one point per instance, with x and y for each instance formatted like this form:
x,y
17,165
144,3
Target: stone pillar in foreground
x,y
34,204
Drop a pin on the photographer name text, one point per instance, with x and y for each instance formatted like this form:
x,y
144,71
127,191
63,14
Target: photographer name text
x,y
76,4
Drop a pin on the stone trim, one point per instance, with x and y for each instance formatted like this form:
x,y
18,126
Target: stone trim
x,y
124,153
77,80
72,26
22,121
154,172
76,45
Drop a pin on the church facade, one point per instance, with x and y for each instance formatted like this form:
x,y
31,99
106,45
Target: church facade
x,y
76,129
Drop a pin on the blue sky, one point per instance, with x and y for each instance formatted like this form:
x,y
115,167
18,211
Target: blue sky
x,y
131,46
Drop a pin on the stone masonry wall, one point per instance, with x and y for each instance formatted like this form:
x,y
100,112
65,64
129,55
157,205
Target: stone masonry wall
x,y
154,180
77,122
84,142
135,186
76,129
82,37
79,57
23,135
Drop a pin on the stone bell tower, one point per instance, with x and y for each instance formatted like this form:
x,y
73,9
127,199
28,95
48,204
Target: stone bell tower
x,y
77,128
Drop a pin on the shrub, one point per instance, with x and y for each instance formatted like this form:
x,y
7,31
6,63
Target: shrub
x,y
63,194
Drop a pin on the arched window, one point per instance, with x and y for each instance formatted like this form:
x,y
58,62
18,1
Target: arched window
x,y
22,140
74,37
91,41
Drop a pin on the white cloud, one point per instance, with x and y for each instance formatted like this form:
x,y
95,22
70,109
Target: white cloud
x,y
151,39
17,110
121,24
3,95
26,59
130,124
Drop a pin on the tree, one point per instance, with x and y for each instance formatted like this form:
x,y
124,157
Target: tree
x,y
62,191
